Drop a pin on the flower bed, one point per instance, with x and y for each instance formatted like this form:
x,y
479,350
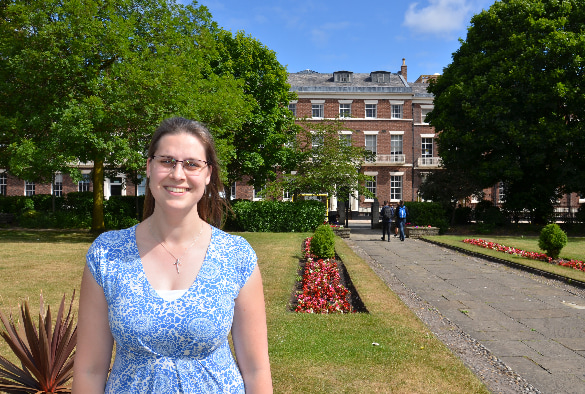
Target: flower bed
x,y
575,264
322,291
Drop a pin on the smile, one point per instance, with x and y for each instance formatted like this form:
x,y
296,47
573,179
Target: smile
x,y
177,189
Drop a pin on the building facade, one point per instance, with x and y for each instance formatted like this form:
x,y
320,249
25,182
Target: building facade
x,y
382,112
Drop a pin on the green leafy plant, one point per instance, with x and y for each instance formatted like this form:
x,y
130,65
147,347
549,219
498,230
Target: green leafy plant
x,y
552,240
46,354
323,242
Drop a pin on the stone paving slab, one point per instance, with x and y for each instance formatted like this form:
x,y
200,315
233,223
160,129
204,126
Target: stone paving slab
x,y
535,327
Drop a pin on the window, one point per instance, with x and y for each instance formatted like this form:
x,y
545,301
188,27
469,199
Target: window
x,y
258,193
501,192
83,185
396,111
116,186
3,183
292,107
29,188
371,110
396,145
342,76
58,185
317,140
371,185
141,189
317,110
345,139
423,114
395,187
371,142
344,110
427,147
233,191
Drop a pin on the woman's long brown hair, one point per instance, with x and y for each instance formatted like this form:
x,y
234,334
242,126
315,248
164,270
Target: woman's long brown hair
x,y
212,206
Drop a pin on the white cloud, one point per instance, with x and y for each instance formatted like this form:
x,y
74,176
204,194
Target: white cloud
x,y
439,16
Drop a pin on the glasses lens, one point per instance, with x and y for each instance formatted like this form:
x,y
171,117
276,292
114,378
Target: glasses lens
x,y
193,166
166,162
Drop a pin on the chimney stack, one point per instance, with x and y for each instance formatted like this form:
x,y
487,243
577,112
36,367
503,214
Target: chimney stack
x,y
403,69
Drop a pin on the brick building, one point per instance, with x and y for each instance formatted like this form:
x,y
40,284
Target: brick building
x,y
380,111
63,184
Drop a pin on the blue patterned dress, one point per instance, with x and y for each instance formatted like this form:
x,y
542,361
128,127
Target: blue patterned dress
x,y
178,346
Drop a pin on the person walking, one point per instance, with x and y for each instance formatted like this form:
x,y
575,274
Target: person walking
x,y
387,214
402,213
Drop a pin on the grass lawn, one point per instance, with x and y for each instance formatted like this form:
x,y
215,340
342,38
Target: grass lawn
x,y
575,249
309,353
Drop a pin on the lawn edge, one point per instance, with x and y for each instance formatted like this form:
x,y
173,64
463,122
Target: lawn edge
x,y
546,274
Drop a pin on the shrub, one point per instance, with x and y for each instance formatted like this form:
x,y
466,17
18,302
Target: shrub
x,y
323,242
275,216
45,351
552,240
427,214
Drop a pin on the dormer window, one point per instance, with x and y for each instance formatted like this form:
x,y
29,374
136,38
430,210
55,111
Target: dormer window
x,y
380,76
342,76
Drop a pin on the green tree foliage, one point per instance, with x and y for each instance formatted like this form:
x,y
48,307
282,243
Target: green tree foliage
x,y
262,144
448,187
510,106
552,240
89,81
326,163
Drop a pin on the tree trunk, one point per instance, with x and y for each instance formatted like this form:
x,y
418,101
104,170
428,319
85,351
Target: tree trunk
x,y
97,221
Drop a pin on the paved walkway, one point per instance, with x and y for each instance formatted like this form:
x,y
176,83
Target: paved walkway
x,y
533,325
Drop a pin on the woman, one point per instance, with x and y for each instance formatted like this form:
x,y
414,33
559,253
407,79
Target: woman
x,y
169,290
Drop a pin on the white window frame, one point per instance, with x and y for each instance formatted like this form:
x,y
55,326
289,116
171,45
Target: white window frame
x,y
426,147
318,108
424,110
292,107
371,111
396,185
397,109
58,185
3,183
29,188
344,110
84,184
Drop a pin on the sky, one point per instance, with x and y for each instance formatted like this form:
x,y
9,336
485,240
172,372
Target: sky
x,y
327,36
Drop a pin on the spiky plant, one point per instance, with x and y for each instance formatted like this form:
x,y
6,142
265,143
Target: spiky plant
x,y
46,354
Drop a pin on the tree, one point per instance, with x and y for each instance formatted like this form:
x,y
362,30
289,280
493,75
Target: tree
x,y
326,164
262,144
509,107
447,188
91,80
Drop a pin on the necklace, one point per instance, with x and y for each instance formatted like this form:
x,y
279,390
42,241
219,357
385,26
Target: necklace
x,y
177,259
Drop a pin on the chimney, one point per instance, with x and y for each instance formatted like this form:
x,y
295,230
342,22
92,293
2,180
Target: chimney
x,y
403,69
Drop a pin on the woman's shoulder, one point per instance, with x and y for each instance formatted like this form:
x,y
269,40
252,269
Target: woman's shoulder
x,y
116,237
229,241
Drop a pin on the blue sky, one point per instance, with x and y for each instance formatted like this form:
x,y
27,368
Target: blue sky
x,y
327,36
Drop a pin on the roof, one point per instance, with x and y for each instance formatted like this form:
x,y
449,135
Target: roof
x,y
310,81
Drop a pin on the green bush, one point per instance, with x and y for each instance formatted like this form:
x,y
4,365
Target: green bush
x,y
323,242
485,212
463,215
552,240
275,216
427,214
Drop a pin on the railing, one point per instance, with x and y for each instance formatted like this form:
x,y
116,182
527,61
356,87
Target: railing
x,y
392,158
429,161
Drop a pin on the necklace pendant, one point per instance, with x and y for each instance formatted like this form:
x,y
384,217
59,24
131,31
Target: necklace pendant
x,y
177,263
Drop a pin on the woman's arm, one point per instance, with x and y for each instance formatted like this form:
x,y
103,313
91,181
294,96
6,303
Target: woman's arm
x,y
94,339
249,335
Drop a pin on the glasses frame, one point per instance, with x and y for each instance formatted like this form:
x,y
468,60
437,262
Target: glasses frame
x,y
175,161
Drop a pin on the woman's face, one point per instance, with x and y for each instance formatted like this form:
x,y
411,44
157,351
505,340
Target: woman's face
x,y
175,188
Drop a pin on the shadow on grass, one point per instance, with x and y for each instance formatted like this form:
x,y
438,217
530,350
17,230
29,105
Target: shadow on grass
x,y
46,236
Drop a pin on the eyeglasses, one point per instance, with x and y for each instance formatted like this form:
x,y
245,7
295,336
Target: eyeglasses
x,y
190,166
